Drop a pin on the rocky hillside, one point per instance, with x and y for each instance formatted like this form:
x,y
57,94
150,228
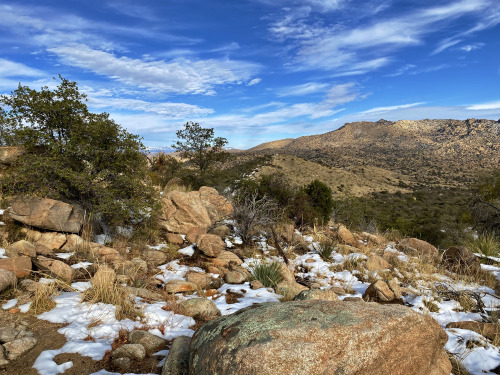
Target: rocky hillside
x,y
433,151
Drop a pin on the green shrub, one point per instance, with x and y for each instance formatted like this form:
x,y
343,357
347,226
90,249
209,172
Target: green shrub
x,y
320,196
269,274
326,248
486,244
74,155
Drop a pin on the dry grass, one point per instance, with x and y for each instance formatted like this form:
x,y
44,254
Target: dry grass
x,y
43,296
105,290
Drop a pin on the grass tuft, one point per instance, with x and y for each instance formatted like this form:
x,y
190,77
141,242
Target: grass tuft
x,y
269,274
486,244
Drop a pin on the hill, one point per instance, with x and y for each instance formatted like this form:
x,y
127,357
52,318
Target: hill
x,y
441,152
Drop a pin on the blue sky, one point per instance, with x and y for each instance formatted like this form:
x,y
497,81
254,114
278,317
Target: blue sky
x,y
259,70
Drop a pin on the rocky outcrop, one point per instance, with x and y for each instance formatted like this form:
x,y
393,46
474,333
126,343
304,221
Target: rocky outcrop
x,y
183,211
320,337
47,214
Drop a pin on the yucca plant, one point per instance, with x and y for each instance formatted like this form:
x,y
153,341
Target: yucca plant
x,y
486,244
269,274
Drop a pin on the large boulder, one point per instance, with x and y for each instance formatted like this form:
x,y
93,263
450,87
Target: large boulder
x,y
320,337
8,155
47,214
210,245
52,240
416,247
21,248
183,211
55,267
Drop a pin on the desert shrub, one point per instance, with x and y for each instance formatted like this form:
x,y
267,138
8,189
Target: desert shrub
x,y
485,207
74,155
269,274
326,248
486,244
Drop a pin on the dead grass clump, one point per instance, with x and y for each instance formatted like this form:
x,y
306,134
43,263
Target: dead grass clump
x,y
43,296
431,305
457,367
107,291
393,235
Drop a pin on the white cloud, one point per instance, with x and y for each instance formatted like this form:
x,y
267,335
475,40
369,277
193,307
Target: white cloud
x,y
166,109
484,106
254,81
180,76
13,69
304,89
472,47
345,51
390,108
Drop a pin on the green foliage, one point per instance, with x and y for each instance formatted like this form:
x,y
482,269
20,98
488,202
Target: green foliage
x,y
486,244
320,196
74,155
326,248
485,208
200,146
269,274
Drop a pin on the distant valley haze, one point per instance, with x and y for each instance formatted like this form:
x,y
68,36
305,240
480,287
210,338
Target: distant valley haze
x,y
259,70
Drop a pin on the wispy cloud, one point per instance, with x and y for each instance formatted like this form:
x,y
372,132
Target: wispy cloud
x,y
472,47
13,69
304,89
484,106
390,108
317,45
180,76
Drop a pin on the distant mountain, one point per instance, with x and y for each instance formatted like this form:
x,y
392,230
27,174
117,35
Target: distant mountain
x,y
431,151
158,149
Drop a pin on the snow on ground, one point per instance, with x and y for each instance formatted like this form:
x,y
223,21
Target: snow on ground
x,y
2,253
91,328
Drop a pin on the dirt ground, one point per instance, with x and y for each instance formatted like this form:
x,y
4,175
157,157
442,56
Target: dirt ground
x,y
48,338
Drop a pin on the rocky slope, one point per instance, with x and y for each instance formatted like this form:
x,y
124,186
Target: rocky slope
x,y
433,151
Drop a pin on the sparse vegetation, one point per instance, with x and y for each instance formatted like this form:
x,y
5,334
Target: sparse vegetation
x,y
486,244
269,274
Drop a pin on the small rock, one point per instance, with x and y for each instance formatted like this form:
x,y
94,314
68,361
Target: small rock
x,y
203,280
177,286
174,238
132,351
346,236
256,284
379,291
416,247
210,244
289,289
396,288
310,260
200,308
317,294
20,248
52,240
7,279
377,263
122,363
55,267
8,334
155,257
177,362
226,258
235,277
20,346
150,342
20,266
73,242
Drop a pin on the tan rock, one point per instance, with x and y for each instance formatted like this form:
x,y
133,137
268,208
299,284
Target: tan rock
x,y
47,214
20,266
235,277
217,206
226,258
377,263
43,250
178,286
341,337
372,238
155,257
210,245
55,267
73,242
21,248
201,279
256,284
174,238
346,236
221,231
7,279
31,234
9,154
52,240
317,294
290,289
416,247
183,211
461,260
193,233
200,308
379,291
396,288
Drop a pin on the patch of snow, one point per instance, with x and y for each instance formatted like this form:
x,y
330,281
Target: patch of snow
x,y
2,253
64,255
175,271
105,372
81,286
25,308
229,244
158,247
81,265
102,239
249,298
189,250
9,304
237,240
